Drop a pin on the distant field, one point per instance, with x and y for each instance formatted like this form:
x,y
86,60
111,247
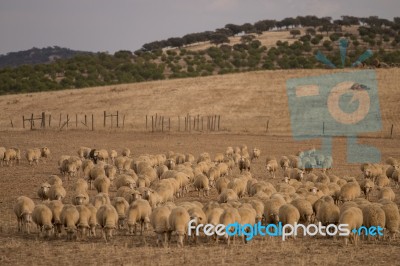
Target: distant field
x,y
245,101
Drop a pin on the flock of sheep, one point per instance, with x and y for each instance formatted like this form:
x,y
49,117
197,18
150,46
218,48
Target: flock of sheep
x,y
147,185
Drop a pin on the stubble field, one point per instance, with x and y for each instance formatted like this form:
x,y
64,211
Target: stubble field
x,y
17,248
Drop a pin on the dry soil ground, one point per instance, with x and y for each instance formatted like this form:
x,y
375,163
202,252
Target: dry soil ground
x,y
17,248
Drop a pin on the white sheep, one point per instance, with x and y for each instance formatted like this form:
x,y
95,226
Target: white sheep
x,y
392,219
197,214
100,200
289,214
229,216
23,210
33,155
43,191
367,185
178,222
350,191
373,215
12,155
386,193
107,218
139,212
352,216
125,180
272,166
255,154
83,225
57,192
42,216
93,220
56,207
159,220
69,218
201,182
328,213
80,198
271,209
113,155
102,184
305,209
238,185
2,154
83,152
121,205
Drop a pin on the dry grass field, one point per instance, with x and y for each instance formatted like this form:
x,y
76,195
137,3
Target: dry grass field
x,y
244,101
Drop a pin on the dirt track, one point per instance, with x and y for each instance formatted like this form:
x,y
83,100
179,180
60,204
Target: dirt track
x,y
19,180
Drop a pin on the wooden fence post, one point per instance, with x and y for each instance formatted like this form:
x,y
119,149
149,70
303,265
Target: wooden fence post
x,y
104,118
12,125
266,129
92,122
169,123
162,124
59,123
23,121
123,121
76,120
391,131
185,123
117,120
32,123
146,122
152,124
50,120
219,120
43,120
179,123
202,125
67,120
85,120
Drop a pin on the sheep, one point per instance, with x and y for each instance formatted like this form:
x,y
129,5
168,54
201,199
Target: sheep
x,y
214,215
126,152
83,225
107,218
352,216
305,209
160,170
124,180
284,162
201,183
294,161
258,206
57,192
80,185
255,154
43,192
54,180
2,153
271,209
139,212
101,155
392,219
83,152
229,152
100,200
87,166
121,206
229,216
23,210
197,214
102,184
289,214
94,173
382,181
391,161
80,198
219,158
143,181
33,155
328,213
294,173
170,163
373,215
350,191
247,216
113,155
69,218
119,163
367,185
159,220
178,222
271,165
11,155
221,184
42,216
223,169
93,220
204,157
110,171
386,193
56,207
238,185
372,171
244,164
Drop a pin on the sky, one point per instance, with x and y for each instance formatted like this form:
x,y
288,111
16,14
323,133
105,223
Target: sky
x,y
112,25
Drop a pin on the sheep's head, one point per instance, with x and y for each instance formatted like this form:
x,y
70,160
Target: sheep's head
x,y
286,179
45,152
314,190
48,229
45,187
80,199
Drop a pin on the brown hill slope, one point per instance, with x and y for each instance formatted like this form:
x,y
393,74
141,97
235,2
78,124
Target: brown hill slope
x,y
245,101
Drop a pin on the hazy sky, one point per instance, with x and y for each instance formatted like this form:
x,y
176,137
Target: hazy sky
x,y
112,25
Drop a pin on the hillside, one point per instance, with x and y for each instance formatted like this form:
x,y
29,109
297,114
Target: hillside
x,y
287,44
245,101
36,56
